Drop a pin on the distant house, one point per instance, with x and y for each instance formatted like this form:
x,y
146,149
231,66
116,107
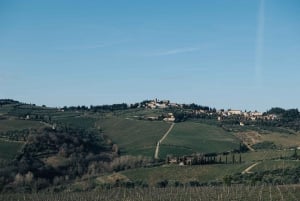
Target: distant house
x,y
189,160
246,114
200,112
234,112
152,105
271,117
256,114
170,117
173,160
161,105
152,118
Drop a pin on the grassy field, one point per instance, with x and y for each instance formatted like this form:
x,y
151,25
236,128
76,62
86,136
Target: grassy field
x,y
135,137
140,112
7,125
191,137
283,140
201,173
261,155
77,122
276,164
8,150
267,160
4,109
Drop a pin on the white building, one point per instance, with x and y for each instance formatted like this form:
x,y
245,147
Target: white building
x,y
256,114
170,117
234,112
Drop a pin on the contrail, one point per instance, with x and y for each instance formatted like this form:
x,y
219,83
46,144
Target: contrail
x,y
260,43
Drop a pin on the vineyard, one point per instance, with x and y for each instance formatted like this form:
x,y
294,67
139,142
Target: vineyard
x,y
242,193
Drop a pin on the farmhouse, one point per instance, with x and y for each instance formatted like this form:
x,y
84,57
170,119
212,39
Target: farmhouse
x,y
152,105
170,117
271,117
234,112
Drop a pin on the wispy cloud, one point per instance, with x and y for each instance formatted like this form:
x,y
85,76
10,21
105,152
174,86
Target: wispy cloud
x,y
260,43
177,51
97,45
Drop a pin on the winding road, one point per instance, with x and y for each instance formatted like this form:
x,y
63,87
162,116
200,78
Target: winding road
x,y
247,170
161,140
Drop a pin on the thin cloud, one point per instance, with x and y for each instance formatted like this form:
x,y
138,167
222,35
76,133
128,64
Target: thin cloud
x,y
82,47
178,51
260,43
92,46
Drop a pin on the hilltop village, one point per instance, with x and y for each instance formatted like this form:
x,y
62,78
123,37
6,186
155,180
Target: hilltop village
x,y
196,110
44,148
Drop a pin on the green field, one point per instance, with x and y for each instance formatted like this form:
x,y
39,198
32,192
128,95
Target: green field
x,y
183,174
77,121
283,140
191,137
138,112
276,164
134,137
14,124
266,160
262,155
8,150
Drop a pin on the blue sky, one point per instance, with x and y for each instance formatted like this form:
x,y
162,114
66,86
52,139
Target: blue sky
x,y
224,54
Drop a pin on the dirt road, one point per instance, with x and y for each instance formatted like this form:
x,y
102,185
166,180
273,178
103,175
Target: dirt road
x,y
247,170
161,140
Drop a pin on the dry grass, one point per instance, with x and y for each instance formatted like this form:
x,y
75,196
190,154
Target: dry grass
x,y
201,173
57,161
282,139
112,179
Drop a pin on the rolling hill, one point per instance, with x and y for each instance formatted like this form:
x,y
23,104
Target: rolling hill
x,y
78,145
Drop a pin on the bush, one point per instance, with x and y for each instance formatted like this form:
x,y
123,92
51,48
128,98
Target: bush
x,y
264,145
162,184
194,183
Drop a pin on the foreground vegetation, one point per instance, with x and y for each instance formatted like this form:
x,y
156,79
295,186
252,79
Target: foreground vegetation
x,y
222,193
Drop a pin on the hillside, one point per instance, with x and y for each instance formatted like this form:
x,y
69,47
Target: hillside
x,y
134,137
86,148
190,137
